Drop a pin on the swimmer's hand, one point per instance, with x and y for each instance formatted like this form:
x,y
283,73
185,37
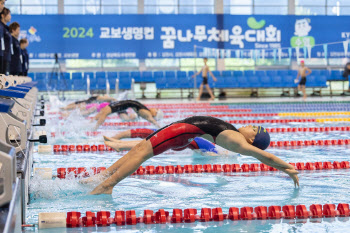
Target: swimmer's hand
x,y
296,80
294,175
214,79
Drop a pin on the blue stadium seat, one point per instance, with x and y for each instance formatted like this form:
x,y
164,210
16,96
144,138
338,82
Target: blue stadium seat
x,y
276,81
136,75
237,73
172,83
227,73
216,74
79,83
147,76
282,73
271,73
293,73
100,80
253,81
41,78
321,81
231,82
65,83
315,72
125,83
185,82
161,83
112,77
124,74
288,81
310,81
265,81
260,73
248,73
181,74
242,82
336,75
190,73
93,83
324,73
221,83
169,74
52,82
31,75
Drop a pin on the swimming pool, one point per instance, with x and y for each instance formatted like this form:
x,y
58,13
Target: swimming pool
x,y
201,190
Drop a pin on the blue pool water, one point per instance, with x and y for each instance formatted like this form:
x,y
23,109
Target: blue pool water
x,y
197,190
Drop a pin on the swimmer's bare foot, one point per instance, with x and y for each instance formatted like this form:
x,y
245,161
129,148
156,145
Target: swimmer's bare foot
x,y
212,98
198,99
109,139
114,144
102,190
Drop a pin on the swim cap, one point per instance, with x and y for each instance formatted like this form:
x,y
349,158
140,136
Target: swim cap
x,y
262,139
160,114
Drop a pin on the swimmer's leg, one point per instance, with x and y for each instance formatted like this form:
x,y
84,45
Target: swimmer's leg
x,y
304,92
124,116
131,162
212,97
106,173
124,134
119,145
200,92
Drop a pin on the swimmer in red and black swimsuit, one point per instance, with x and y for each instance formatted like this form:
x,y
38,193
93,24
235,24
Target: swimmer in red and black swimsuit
x,y
199,144
121,106
249,140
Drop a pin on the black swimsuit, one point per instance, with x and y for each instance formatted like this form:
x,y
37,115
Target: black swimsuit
x,y
302,81
205,80
122,106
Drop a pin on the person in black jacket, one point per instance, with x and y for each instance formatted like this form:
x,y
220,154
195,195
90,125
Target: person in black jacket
x,y
6,18
346,74
2,46
25,57
16,58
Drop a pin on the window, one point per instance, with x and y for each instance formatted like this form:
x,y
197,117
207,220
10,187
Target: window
x,y
100,7
248,7
310,7
179,6
32,7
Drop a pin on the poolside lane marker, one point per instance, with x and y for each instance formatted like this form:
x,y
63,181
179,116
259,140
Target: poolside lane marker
x,y
73,219
81,172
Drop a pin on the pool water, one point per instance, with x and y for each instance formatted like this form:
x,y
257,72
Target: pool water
x,y
181,191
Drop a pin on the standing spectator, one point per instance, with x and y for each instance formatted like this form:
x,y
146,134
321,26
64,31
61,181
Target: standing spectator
x,y
25,58
205,72
16,58
302,73
6,18
346,74
2,46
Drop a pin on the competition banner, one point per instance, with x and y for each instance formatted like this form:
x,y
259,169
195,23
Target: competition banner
x,y
177,36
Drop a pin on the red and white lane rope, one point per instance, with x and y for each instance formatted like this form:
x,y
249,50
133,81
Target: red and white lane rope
x,y
121,217
81,172
270,130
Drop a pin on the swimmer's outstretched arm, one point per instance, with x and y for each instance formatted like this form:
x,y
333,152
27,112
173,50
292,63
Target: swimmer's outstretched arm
x,y
102,115
236,142
106,98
